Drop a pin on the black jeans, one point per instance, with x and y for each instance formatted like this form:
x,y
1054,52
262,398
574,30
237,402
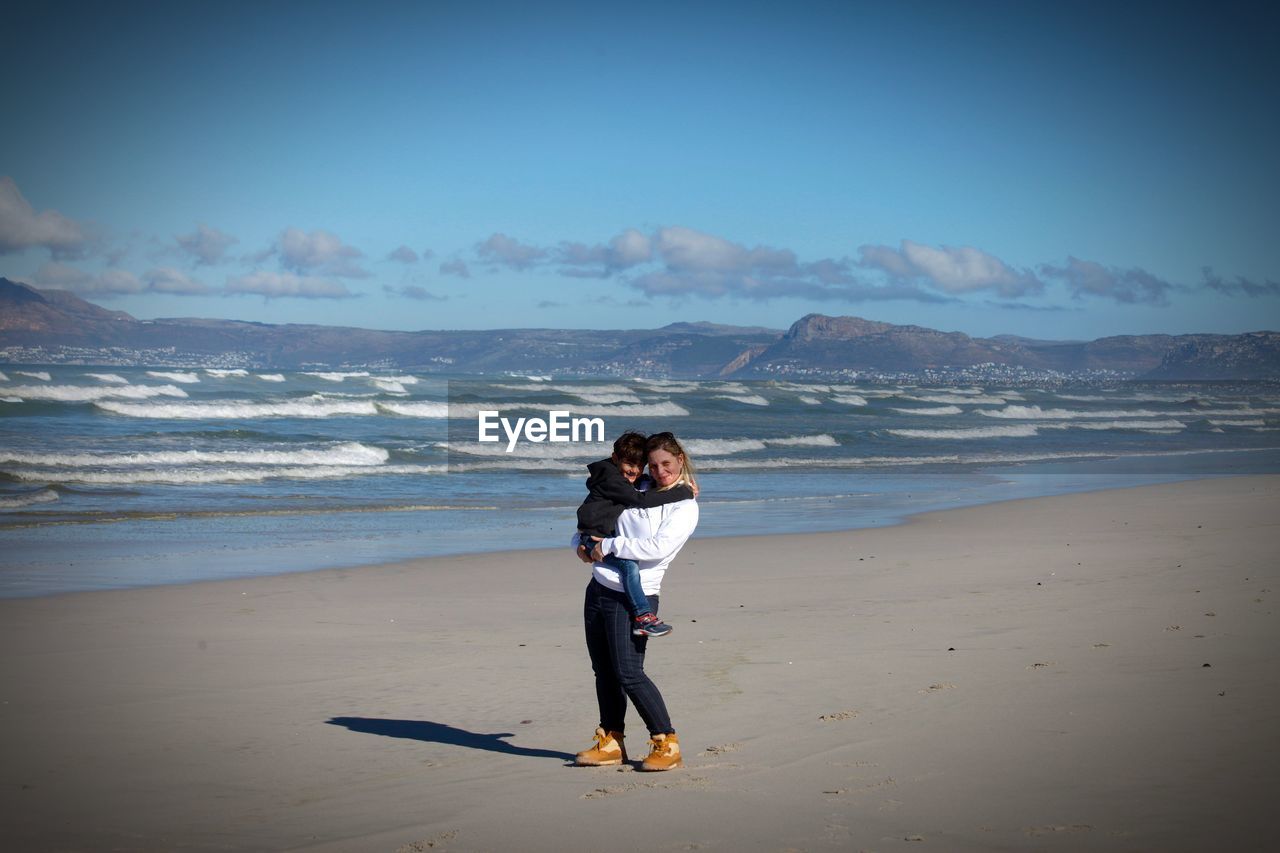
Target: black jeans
x,y
617,657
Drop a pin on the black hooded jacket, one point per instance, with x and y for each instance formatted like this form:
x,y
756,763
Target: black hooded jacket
x,y
609,493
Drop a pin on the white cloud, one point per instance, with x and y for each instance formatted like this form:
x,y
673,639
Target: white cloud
x,y
170,280
274,285
415,291
207,245
458,268
1087,278
628,249
1240,286
321,252
404,255
951,269
111,282
685,249
22,228
505,251
699,264
695,263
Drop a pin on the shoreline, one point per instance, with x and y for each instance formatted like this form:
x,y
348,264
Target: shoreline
x,y
107,555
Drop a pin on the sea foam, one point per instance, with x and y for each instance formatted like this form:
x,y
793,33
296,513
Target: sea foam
x,y
931,410
93,393
1037,413
185,378
240,409
348,453
43,496
748,399
218,475
1012,431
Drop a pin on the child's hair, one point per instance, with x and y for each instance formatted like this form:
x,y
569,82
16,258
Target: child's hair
x,y
668,442
630,447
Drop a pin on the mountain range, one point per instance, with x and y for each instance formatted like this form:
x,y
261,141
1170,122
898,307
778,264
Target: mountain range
x,y
63,327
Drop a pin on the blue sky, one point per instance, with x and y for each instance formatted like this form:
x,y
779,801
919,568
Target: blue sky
x,y
1051,170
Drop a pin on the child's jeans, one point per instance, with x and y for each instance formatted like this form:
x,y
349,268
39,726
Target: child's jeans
x,y
629,573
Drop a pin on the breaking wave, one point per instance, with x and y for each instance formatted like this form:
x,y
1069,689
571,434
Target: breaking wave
x,y
1013,431
665,409
1037,413
956,399
391,386
1166,425
727,446
43,496
240,409
337,377
185,476
172,376
425,409
823,440
748,399
346,454
931,410
92,393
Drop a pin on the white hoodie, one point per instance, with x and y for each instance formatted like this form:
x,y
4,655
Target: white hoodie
x,y
652,537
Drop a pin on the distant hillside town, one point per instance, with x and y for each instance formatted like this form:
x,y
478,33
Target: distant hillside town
x,y
57,327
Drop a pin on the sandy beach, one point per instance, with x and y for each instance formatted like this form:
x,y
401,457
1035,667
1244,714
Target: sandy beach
x,y
1084,672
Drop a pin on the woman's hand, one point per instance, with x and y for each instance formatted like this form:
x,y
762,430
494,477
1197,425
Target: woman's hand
x,y
583,554
596,554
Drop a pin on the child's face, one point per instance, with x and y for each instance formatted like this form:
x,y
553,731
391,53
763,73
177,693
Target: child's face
x,y
630,470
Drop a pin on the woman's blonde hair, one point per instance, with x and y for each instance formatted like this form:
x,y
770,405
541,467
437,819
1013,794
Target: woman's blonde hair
x,y
668,442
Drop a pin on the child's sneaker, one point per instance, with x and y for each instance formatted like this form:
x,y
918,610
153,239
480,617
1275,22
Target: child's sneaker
x,y
648,625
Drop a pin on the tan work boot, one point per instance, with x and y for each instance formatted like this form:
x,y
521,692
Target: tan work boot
x,y
608,750
664,753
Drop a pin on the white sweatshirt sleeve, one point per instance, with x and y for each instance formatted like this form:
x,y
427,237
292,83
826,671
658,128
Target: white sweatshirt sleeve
x,y
674,531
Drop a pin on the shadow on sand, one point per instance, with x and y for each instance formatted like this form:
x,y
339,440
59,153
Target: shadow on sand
x,y
425,730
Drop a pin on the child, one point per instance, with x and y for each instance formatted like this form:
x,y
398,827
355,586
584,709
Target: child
x,y
611,488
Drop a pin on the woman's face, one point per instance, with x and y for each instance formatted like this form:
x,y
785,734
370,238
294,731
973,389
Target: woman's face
x,y
664,467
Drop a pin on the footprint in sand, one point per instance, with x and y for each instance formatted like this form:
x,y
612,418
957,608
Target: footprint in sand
x,y
680,782
934,688
1053,830
839,715
427,843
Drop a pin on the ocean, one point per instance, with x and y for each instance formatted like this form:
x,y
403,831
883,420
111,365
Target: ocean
x,y
115,477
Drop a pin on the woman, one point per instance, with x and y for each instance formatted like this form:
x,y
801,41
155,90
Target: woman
x,y
652,537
